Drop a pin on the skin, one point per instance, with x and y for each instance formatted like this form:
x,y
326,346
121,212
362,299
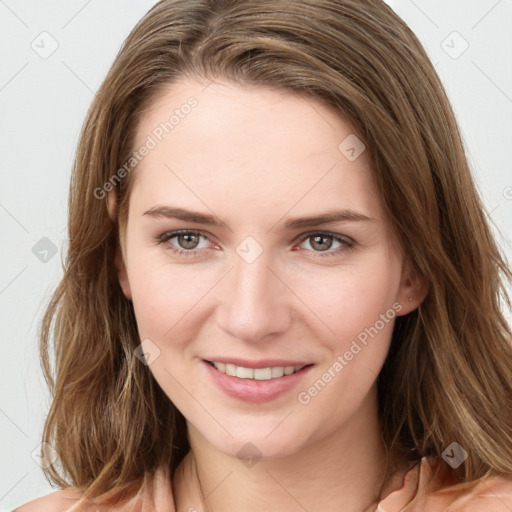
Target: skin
x,y
256,157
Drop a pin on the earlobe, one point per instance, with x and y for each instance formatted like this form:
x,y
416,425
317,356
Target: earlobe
x,y
119,263
413,289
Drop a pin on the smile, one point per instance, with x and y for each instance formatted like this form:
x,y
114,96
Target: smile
x,y
256,385
274,372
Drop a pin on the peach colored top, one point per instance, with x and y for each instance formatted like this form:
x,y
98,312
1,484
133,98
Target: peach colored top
x,y
419,493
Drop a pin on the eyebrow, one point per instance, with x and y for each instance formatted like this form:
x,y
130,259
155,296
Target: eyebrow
x,y
327,217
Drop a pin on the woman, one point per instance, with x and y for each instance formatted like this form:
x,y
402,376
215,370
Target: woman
x,y
281,290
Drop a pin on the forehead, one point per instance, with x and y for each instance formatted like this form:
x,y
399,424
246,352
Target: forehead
x,y
239,145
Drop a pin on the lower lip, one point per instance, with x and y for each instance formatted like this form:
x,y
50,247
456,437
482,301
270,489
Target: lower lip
x,y
252,390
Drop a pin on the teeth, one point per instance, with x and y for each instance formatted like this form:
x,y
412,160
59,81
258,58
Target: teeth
x,y
230,369
244,373
263,373
277,371
256,373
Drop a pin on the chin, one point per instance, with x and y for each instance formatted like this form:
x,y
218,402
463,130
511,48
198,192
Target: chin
x,y
262,439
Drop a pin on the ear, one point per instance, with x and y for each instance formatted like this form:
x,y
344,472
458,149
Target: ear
x,y
413,289
119,262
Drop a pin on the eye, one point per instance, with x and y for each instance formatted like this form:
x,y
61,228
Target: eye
x,y
323,243
186,244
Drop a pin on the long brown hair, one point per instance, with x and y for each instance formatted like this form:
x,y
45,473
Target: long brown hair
x,y
447,377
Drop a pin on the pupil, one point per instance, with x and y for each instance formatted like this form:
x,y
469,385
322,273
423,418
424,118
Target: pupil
x,y
188,244
320,237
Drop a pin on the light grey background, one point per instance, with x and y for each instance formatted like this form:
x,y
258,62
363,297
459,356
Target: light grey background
x,y
44,99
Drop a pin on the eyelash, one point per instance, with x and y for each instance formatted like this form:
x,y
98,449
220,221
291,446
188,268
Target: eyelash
x,y
347,242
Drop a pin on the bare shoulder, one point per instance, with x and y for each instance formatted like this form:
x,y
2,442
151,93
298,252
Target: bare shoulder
x,y
490,495
57,501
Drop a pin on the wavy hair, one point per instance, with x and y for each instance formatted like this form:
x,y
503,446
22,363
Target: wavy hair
x,y
447,376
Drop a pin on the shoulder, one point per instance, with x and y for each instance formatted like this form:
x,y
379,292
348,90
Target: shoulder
x,y
153,488
428,487
493,494
57,501
489,494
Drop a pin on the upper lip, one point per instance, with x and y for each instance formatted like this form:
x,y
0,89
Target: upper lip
x,y
260,363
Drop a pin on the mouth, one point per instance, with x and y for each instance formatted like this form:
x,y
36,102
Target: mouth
x,y
256,382
266,373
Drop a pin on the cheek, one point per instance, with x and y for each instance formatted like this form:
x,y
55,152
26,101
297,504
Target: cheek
x,y
166,297
163,299
150,293
349,300
165,294
360,306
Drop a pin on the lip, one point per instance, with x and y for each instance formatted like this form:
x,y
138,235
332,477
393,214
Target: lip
x,y
251,390
260,363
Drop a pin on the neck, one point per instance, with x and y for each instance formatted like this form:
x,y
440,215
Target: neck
x,y
343,471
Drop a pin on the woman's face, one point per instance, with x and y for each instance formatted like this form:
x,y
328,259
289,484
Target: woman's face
x,y
254,284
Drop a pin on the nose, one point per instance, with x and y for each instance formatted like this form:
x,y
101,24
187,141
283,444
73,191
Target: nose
x,y
255,300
